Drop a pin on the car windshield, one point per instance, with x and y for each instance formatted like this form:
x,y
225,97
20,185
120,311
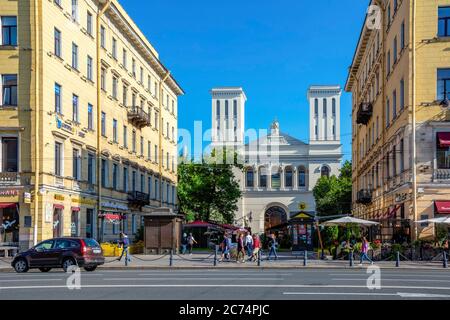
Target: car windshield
x,y
91,243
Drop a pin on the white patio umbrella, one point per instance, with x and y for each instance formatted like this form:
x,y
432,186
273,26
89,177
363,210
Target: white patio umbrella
x,y
349,220
443,220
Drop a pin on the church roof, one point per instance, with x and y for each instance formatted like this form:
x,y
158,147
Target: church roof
x,y
282,139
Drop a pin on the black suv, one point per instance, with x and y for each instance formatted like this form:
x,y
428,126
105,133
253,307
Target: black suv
x,y
60,253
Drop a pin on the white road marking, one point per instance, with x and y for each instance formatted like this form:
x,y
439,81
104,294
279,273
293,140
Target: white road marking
x,y
192,279
422,295
385,279
233,274
30,280
400,294
393,275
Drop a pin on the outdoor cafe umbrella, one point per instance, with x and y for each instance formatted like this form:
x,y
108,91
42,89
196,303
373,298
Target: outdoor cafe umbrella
x,y
443,220
349,220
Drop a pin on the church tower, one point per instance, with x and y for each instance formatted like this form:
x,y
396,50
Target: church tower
x,y
324,114
228,116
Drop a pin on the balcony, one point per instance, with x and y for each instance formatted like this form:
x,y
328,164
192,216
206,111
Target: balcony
x,y
138,199
364,196
364,113
442,175
138,117
9,178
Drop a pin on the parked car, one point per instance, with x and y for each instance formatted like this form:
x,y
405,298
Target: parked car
x,y
60,253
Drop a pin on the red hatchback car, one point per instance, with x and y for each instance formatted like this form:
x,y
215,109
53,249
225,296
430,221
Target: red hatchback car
x,y
60,253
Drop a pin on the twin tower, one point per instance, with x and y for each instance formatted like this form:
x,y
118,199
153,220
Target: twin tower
x,y
228,115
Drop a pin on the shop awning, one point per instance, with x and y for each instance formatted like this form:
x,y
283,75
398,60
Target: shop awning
x,y
76,209
58,206
5,205
442,207
444,139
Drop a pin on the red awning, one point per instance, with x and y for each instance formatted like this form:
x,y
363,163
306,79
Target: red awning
x,y
76,209
444,139
442,207
199,224
58,206
5,205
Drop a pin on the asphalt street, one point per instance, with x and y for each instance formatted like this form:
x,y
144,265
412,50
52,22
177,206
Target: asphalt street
x,y
213,284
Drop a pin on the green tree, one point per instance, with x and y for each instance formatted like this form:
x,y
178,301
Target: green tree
x,y
208,190
333,194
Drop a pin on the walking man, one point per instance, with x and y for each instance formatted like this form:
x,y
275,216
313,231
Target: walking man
x,y
364,250
226,243
124,242
184,243
240,248
273,244
249,245
256,248
191,241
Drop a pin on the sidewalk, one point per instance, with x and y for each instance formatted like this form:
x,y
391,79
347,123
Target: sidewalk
x,y
206,261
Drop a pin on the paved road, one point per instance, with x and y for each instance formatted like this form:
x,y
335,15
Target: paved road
x,y
225,284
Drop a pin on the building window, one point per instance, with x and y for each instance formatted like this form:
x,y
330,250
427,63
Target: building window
x,y
91,168
324,107
90,117
325,171
149,84
394,104
402,155
156,189
115,130
9,90
133,100
125,95
89,68
333,107
156,119
74,56
443,84
58,106
133,67
389,15
124,59
58,159
387,113
141,75
115,182
167,160
444,22
167,130
173,106
173,134
288,177
103,37
133,181
142,183
103,120
89,23
394,160
9,31
276,178
125,179
10,154
402,94
395,49
388,63
114,48
57,49
104,173
149,186
114,88
142,146
103,79
76,164
133,141
316,107
75,117
402,36
262,177
156,153
218,109
173,194
149,150
125,137
302,177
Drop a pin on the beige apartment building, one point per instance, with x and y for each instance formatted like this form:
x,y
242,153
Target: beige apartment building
x,y
88,122
400,83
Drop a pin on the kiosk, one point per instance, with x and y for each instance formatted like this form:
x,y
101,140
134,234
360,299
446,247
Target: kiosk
x,y
302,230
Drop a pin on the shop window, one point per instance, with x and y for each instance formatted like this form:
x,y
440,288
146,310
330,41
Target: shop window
x,y
57,223
325,172
443,150
9,224
10,154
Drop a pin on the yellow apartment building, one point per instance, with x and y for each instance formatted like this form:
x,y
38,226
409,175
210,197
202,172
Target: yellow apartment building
x,y
400,83
88,122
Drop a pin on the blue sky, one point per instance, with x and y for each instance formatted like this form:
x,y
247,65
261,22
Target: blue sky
x,y
274,50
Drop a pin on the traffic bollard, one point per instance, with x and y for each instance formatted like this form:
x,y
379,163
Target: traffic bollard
x,y
171,258
397,260
215,256
259,258
305,258
444,259
350,258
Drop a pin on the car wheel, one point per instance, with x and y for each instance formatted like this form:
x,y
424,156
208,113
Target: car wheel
x,y
45,269
90,269
21,266
67,263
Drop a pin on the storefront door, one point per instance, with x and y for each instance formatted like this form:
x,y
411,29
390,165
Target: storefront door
x,y
9,224
74,224
89,223
57,223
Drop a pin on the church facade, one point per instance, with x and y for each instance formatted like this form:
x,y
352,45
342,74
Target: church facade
x,y
280,171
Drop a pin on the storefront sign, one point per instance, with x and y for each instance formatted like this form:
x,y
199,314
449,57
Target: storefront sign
x,y
88,202
302,206
59,197
112,217
9,195
117,206
27,197
63,126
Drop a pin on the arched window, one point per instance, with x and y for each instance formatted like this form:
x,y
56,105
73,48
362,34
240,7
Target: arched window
x,y
324,107
333,107
325,171
316,107
288,177
276,178
302,177
262,177
249,181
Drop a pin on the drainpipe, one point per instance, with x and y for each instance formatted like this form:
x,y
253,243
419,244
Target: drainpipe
x,y
106,4
414,150
37,6
161,124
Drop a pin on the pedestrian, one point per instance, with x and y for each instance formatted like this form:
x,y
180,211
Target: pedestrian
x,y
240,248
225,246
191,241
273,244
184,243
364,250
249,244
124,242
256,248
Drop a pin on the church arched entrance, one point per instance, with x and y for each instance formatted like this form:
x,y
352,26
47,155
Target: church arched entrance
x,y
274,216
